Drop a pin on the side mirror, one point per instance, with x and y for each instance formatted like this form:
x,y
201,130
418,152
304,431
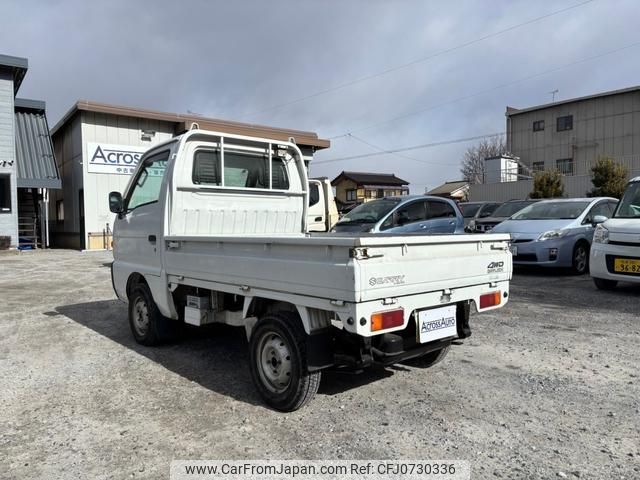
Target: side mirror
x,y
598,219
116,204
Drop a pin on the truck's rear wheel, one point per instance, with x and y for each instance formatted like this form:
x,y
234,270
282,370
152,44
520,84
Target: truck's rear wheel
x,y
278,362
430,359
148,325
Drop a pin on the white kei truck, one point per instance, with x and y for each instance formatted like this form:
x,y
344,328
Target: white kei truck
x,y
212,227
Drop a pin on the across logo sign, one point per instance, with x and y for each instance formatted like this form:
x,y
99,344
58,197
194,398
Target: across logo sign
x,y
114,159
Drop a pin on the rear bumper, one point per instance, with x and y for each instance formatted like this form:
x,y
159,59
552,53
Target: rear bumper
x,y
357,317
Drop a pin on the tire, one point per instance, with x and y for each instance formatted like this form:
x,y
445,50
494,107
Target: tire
x,y
604,284
580,258
148,325
430,359
278,362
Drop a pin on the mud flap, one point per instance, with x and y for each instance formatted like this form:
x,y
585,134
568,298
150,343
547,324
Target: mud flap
x,y
462,319
320,350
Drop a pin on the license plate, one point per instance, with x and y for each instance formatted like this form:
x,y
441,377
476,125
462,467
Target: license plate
x,y
626,265
514,250
437,323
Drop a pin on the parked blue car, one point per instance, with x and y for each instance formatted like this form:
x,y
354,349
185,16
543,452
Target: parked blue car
x,y
556,233
407,214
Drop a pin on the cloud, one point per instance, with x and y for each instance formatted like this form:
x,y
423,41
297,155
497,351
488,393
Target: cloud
x,y
235,59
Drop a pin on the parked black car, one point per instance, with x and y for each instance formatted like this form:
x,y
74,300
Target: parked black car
x,y
504,211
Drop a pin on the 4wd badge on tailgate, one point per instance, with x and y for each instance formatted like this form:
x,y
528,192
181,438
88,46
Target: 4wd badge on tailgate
x,y
495,267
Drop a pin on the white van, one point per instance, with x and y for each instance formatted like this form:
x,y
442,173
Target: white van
x,y
615,251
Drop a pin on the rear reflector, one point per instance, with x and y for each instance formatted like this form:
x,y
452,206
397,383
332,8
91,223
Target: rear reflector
x,y
384,320
490,299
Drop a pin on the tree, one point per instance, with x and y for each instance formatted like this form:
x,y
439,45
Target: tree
x,y
473,168
547,184
609,178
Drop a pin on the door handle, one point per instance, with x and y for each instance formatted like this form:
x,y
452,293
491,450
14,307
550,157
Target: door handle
x,y
152,238
318,219
424,227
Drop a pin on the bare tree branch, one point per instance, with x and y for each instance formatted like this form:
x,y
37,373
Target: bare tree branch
x,y
473,167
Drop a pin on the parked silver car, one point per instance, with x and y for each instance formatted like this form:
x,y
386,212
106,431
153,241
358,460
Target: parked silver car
x,y
407,214
556,233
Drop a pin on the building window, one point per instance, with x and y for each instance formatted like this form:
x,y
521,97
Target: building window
x,y
370,194
538,125
5,194
565,123
537,166
565,166
60,211
351,195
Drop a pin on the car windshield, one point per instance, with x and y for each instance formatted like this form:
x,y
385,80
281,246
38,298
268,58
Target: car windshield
x,y
370,212
552,211
469,210
488,210
509,208
629,206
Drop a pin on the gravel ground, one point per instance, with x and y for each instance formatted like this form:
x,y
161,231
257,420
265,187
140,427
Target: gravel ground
x,y
546,387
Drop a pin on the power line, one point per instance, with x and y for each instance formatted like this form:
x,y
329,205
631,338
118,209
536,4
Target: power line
x,y
417,61
488,90
384,150
414,147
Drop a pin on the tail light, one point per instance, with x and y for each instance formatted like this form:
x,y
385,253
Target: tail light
x,y
490,299
384,320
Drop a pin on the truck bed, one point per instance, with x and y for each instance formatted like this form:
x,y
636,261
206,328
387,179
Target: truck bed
x,y
340,268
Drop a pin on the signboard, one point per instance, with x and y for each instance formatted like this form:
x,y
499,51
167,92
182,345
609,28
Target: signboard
x,y
114,159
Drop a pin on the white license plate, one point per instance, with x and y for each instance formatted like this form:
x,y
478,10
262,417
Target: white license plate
x,y
514,250
437,323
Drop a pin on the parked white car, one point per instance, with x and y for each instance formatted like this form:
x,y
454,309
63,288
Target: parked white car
x,y
615,251
213,228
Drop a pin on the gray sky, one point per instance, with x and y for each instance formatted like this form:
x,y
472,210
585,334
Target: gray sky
x,y
236,60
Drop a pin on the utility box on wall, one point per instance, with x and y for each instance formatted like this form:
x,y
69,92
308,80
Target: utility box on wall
x,y
503,168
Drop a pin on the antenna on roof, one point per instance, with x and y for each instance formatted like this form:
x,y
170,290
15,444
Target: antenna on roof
x,y
553,94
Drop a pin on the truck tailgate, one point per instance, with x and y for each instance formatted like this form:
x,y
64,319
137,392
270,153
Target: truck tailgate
x,y
428,263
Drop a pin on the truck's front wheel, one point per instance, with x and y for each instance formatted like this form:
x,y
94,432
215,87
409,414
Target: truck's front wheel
x,y
278,362
148,325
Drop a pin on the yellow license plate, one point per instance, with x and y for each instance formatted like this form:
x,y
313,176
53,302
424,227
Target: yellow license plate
x,y
626,265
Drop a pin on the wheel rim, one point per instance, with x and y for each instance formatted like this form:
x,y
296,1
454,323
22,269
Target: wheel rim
x,y
580,259
141,317
274,362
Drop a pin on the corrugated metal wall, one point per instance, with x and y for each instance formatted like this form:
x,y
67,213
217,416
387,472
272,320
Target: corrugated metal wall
x,y
36,167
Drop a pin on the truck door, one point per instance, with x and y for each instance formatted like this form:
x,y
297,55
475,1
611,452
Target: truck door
x,y
138,232
316,216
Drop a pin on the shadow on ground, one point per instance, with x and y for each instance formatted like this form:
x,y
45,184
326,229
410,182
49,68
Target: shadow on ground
x,y
214,356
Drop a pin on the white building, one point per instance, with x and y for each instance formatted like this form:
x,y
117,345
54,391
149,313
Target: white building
x,y
97,147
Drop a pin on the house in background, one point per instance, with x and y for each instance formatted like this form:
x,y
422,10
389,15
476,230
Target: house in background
x,y
456,190
354,188
27,166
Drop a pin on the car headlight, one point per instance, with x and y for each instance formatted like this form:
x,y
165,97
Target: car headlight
x,y
551,234
472,225
601,235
